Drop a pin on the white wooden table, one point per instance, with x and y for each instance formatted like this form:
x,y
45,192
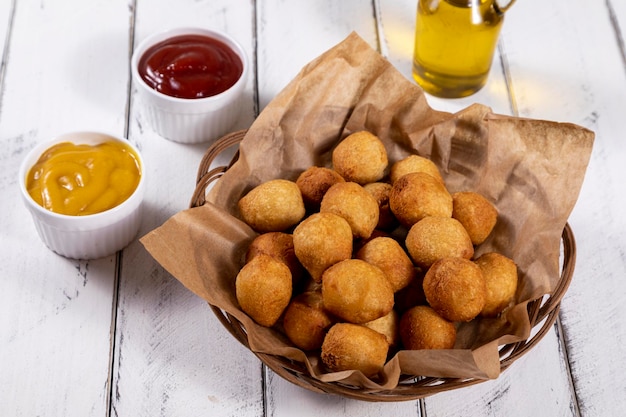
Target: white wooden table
x,y
120,337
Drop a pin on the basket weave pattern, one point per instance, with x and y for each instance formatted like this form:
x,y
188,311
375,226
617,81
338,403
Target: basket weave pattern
x,y
542,313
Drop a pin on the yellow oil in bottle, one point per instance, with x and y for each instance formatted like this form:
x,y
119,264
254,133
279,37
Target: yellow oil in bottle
x,y
454,45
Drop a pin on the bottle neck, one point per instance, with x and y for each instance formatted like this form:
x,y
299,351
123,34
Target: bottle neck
x,y
465,3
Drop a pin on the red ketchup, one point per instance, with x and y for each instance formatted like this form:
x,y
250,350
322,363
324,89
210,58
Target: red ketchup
x,y
190,66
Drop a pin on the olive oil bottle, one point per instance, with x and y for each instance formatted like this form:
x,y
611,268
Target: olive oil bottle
x,y
454,45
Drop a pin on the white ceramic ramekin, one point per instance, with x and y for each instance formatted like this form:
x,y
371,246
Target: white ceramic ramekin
x,y
190,120
91,236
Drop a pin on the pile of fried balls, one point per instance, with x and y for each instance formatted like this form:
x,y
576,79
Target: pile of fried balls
x,y
367,258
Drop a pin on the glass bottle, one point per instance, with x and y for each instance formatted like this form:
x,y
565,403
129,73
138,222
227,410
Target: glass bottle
x,y
454,44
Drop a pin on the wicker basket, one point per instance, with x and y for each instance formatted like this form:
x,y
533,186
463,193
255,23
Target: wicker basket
x,y
542,313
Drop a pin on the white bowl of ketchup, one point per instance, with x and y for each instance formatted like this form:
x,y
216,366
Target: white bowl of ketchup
x,y
84,191
190,82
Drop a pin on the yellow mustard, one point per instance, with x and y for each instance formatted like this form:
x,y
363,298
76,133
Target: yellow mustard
x,y
84,179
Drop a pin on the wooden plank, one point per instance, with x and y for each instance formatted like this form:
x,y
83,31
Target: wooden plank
x,y
585,84
286,399
285,45
535,385
617,16
499,397
172,356
55,314
6,15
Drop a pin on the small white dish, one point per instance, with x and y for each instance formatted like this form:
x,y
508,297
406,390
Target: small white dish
x,y
89,236
190,120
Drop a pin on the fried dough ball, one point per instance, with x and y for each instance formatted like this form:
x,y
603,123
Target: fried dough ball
x,y
475,213
380,191
422,328
353,347
388,255
280,246
350,201
417,195
272,206
321,240
263,289
433,238
455,288
356,291
414,163
500,275
387,326
360,157
306,321
314,182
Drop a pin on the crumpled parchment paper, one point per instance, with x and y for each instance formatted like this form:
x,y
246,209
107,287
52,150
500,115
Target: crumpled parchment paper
x,y
532,170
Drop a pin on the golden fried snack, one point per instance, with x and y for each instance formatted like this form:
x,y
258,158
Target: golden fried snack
x,y
380,191
321,240
280,246
314,182
414,163
354,347
388,255
455,288
387,326
500,275
475,213
350,201
422,328
306,321
433,238
356,291
417,195
360,157
272,206
263,289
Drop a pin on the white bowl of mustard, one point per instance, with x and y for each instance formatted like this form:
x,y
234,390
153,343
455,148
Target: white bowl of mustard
x,y
84,191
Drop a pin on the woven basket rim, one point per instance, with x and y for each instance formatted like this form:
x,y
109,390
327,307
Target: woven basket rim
x,y
542,312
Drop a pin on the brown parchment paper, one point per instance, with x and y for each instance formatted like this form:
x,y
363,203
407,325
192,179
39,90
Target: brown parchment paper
x,y
532,170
